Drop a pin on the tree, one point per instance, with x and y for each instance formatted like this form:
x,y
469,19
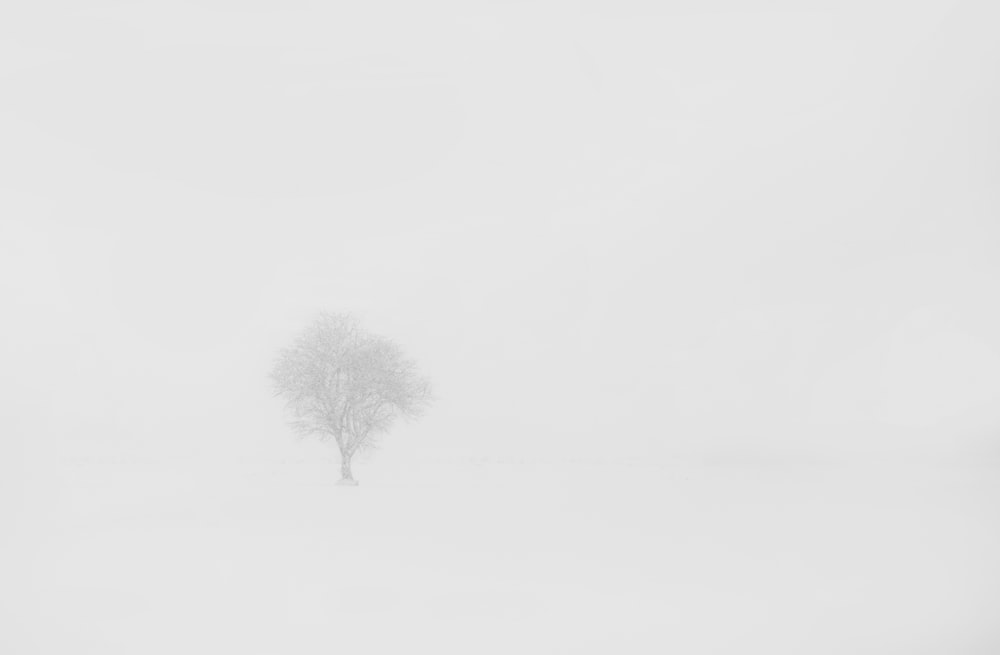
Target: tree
x,y
342,383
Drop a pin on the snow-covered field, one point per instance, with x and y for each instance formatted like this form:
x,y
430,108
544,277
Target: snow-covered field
x,y
453,555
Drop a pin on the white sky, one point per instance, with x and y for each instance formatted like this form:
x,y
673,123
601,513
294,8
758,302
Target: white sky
x,y
600,227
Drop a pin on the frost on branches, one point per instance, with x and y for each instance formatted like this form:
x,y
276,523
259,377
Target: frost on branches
x,y
343,384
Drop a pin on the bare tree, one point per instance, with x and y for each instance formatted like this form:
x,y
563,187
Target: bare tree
x,y
342,383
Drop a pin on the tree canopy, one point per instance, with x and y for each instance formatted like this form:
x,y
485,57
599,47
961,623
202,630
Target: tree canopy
x,y
342,383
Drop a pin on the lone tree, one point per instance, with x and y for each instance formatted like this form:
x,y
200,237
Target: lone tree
x,y
339,382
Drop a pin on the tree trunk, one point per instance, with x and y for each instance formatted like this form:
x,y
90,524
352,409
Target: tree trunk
x,y
345,469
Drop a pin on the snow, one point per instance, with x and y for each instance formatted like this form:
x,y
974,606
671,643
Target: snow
x,y
707,295
498,556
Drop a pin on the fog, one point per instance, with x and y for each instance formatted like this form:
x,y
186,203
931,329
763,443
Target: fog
x,y
761,235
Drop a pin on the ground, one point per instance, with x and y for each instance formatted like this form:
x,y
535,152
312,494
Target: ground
x,y
488,555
